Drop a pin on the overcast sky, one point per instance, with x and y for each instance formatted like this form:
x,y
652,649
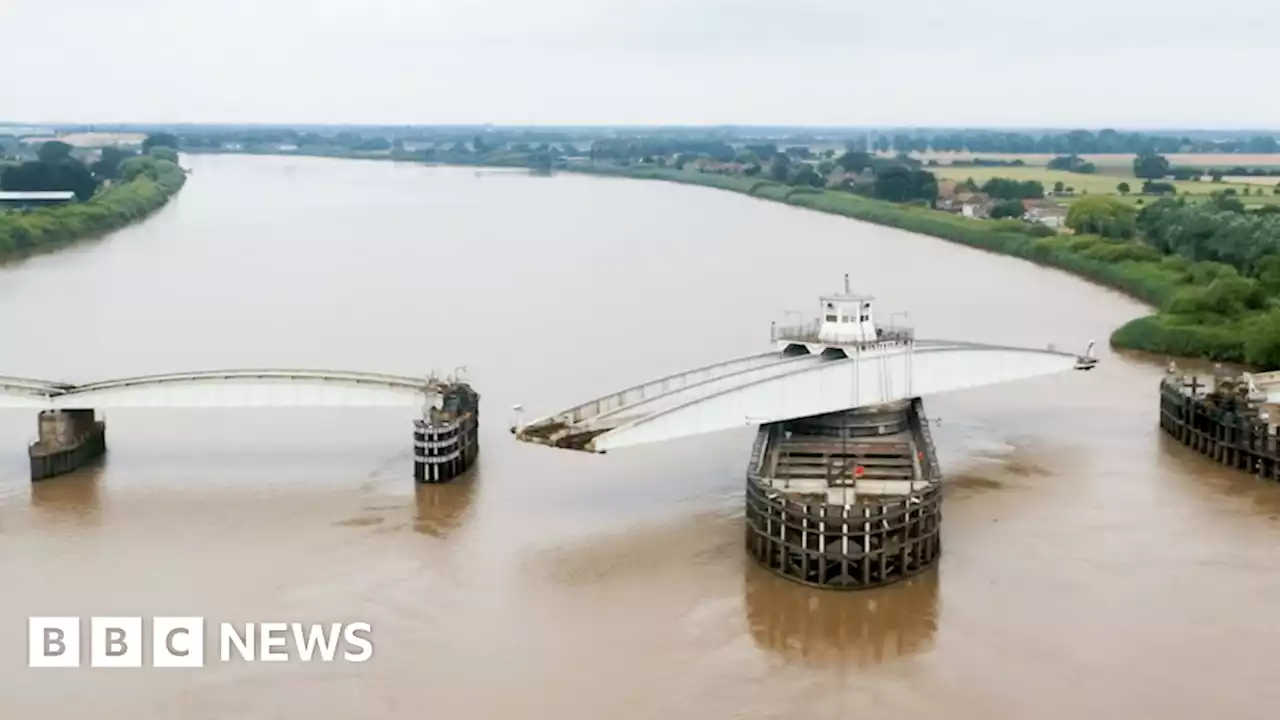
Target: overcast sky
x,y
1069,63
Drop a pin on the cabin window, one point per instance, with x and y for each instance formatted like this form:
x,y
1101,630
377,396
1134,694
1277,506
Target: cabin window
x,y
831,318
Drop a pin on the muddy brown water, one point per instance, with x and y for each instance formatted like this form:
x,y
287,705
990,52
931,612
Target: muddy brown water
x,y
1091,567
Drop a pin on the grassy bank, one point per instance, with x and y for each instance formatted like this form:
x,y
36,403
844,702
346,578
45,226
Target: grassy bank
x,y
1129,266
150,185
1214,327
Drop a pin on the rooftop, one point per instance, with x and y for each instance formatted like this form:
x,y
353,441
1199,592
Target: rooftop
x,y
18,196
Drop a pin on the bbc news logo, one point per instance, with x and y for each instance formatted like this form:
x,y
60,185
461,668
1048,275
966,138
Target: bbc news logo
x,y
179,642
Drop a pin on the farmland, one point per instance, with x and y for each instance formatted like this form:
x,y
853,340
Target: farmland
x,y
1098,184
1207,160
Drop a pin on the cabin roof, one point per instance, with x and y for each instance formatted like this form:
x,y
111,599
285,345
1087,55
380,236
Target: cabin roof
x,y
846,297
18,195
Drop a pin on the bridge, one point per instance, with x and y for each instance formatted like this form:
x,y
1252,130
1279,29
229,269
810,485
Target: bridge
x,y
70,436
843,483
840,362
224,389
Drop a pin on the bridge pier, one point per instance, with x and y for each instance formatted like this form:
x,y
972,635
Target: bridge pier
x,y
447,440
67,441
847,501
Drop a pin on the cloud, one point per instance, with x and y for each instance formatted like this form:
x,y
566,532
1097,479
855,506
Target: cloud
x,y
926,62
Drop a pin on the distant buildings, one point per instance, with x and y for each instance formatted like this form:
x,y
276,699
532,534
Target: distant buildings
x,y
1053,216
91,140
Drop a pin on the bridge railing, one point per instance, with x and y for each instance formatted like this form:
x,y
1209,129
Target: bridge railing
x,y
654,388
808,333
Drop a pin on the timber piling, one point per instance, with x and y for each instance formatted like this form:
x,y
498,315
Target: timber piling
x,y
1219,420
846,501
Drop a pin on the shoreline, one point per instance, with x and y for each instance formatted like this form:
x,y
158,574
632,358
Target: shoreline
x,y
25,235
1129,267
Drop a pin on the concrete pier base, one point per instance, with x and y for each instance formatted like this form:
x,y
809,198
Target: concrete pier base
x,y
447,441
846,501
68,440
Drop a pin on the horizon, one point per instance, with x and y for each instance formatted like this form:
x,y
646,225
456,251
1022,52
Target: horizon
x,y
139,125
646,63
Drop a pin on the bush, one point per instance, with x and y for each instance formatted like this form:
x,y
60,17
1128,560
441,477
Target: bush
x,y
1262,347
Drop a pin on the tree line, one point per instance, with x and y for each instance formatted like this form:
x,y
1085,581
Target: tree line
x,y
141,184
1075,142
56,168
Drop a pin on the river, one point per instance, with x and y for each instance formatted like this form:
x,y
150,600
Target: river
x,y
1091,567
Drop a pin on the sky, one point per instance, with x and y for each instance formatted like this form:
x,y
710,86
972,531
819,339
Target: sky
x,y
928,63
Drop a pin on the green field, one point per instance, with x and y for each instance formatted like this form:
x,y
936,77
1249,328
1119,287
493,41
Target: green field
x,y
1103,184
1108,162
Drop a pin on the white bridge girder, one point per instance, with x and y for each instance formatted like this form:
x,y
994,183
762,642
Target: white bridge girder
x,y
780,386
223,389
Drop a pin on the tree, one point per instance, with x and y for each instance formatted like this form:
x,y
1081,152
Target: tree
x,y
855,161
1276,191
35,176
135,167
1058,186
54,151
108,165
902,184
1008,189
1151,167
1123,188
1262,346
807,177
1007,209
168,140
162,152
780,169
1101,215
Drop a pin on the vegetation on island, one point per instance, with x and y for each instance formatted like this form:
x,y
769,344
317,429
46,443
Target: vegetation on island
x,y
119,188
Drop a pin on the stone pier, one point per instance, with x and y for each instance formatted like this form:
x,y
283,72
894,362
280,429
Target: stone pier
x,y
68,440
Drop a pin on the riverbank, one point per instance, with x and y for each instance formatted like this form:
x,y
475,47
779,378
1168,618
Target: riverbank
x,y
149,189
1129,266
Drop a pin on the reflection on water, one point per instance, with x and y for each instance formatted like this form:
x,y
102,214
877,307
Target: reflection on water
x,y
641,554
74,498
443,508
841,629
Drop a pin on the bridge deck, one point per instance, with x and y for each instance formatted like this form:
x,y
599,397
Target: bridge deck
x,y
226,388
783,385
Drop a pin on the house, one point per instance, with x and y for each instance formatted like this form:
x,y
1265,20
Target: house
x,y
968,204
22,200
1047,214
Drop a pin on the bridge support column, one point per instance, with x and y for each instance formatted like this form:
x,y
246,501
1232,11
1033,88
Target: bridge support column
x,y
447,441
846,501
68,440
